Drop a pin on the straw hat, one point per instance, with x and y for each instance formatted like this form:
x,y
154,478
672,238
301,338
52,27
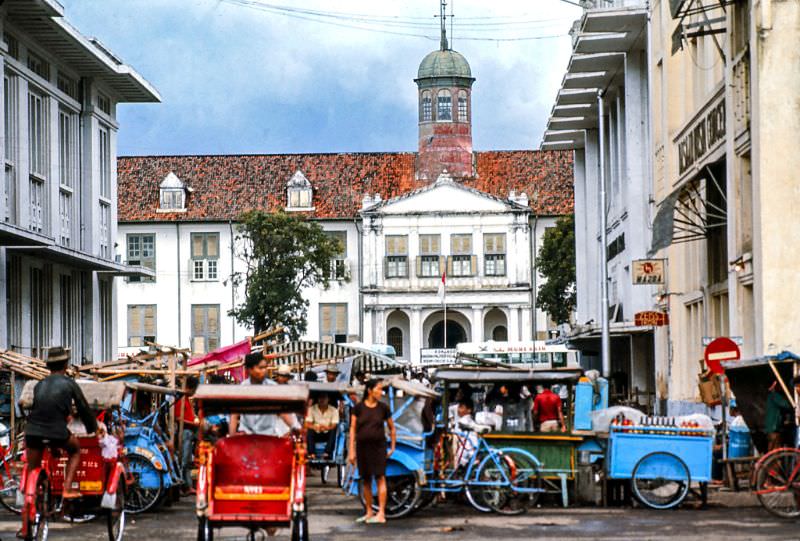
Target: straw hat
x,y
57,354
284,370
332,368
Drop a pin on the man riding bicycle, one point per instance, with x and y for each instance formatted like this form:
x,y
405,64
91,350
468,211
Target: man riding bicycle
x,y
46,427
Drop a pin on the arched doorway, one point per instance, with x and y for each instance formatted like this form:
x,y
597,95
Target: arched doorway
x,y
455,335
495,325
500,334
397,333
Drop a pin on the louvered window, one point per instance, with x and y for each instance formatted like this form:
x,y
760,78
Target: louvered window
x,y
396,260
141,324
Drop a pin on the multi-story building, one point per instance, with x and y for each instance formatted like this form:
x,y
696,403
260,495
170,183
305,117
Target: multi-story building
x,y
601,113
724,100
404,220
58,210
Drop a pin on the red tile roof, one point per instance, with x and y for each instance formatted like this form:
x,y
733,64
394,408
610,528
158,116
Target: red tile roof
x,y
222,187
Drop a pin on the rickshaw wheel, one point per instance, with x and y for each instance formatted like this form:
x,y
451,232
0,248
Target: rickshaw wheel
x,y
402,496
340,475
777,483
300,526
116,516
141,499
660,480
11,482
40,528
204,530
324,471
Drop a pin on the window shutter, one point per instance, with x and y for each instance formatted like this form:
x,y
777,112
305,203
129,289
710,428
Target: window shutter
x,y
488,244
419,266
435,241
212,246
424,244
450,266
402,245
390,246
442,262
386,267
197,245
326,322
134,321
198,321
501,243
341,319
149,320
474,265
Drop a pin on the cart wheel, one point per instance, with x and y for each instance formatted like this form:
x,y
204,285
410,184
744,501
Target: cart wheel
x,y
340,475
660,480
402,493
300,526
11,476
526,480
116,515
777,482
39,528
147,486
324,471
204,530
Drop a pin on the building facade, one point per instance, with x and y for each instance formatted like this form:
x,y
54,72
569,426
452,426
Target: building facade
x,y
601,113
724,108
58,211
404,220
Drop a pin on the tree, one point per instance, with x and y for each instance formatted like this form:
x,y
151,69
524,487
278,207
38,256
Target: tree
x,y
283,255
556,264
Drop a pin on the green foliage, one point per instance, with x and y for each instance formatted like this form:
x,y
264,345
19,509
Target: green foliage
x,y
284,254
556,264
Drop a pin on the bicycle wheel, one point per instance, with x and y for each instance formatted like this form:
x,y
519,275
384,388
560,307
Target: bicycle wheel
x,y
494,485
39,527
116,515
474,492
660,480
526,478
147,486
11,475
778,482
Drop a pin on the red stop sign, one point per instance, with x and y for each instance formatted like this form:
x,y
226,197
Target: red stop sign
x,y
721,349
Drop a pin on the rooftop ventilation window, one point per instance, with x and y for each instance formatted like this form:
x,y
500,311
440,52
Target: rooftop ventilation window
x,y
299,193
172,194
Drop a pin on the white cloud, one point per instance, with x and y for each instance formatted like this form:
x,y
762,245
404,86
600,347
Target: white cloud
x,y
236,79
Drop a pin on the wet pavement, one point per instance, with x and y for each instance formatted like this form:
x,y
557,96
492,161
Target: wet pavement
x,y
729,517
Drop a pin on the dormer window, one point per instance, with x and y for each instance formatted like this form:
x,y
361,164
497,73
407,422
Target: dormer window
x,y
172,194
299,193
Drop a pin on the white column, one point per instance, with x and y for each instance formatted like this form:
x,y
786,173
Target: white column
x,y
477,324
513,324
415,335
380,326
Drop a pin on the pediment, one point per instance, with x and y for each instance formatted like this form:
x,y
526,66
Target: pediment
x,y
444,197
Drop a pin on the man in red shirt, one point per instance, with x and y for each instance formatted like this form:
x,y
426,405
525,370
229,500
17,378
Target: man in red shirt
x,y
547,411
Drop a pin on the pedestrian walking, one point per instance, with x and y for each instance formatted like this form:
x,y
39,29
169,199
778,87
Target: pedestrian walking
x,y
368,447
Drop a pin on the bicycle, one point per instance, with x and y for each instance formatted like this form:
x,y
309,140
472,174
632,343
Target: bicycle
x,y
776,482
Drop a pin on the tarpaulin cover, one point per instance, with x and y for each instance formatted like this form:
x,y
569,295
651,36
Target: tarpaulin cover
x,y
224,355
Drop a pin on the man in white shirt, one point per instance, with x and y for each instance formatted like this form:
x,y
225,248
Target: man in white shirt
x,y
266,424
321,422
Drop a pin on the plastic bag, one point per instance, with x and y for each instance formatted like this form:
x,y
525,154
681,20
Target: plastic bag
x,y
601,419
701,420
490,419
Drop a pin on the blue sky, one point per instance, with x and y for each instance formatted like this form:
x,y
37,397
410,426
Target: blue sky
x,y
235,78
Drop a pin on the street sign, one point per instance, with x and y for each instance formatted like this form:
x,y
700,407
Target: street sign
x,y
648,272
650,318
437,356
721,349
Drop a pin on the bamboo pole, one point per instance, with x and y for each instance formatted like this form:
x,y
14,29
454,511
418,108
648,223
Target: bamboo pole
x,y
789,395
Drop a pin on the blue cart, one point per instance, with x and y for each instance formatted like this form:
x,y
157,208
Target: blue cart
x,y
661,462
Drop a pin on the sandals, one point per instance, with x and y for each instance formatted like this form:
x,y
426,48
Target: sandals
x,y
376,520
362,520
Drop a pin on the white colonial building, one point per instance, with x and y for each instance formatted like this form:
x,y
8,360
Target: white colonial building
x,y
404,220
58,199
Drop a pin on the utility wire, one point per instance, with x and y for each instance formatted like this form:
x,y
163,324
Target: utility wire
x,y
371,25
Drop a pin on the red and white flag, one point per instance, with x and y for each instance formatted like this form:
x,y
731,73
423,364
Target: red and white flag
x,y
443,286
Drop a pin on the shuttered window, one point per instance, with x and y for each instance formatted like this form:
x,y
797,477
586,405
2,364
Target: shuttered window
x,y
494,254
429,262
462,262
396,260
205,327
141,324
205,256
339,261
141,250
333,323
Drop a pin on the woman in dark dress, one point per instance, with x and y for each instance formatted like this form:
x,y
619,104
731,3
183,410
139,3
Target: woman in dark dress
x,y
368,447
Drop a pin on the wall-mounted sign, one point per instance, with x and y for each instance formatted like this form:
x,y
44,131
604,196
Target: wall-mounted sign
x,y
437,356
702,137
648,271
650,319
738,340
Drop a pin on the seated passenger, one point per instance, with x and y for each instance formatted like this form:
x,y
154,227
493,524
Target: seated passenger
x,y
467,432
321,422
547,411
266,424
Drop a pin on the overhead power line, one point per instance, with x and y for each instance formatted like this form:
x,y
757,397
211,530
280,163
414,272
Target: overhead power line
x,y
407,26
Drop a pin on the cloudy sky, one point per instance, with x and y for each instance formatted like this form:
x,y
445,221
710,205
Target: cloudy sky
x,y
239,76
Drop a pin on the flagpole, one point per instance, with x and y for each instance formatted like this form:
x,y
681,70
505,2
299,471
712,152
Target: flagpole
x,y
444,301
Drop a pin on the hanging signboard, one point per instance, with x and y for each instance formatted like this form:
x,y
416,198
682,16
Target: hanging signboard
x,y
650,319
648,271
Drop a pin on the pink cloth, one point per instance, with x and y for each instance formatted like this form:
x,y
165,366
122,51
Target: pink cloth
x,y
224,355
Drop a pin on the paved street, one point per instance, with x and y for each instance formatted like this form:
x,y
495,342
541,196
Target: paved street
x,y
332,517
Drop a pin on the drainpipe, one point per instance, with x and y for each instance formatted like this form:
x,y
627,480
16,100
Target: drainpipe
x,y
605,338
233,288
178,242
535,270
360,282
